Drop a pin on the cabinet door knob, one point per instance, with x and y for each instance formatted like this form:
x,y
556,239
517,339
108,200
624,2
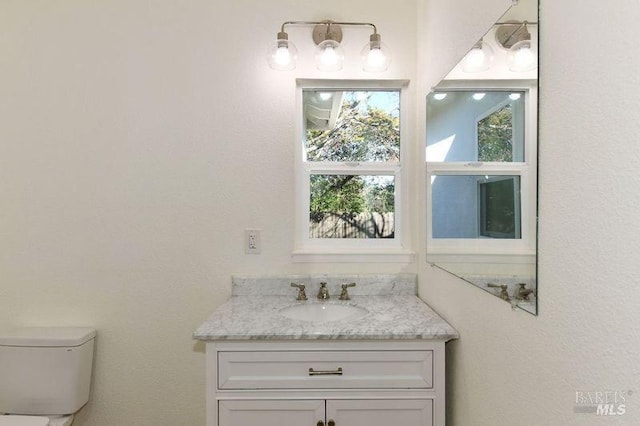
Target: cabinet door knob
x,y
331,423
320,423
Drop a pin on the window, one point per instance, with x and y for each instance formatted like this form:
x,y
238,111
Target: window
x,y
481,163
499,212
351,206
349,173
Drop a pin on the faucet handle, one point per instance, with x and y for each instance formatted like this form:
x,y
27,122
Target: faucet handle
x,y
523,293
344,294
301,294
504,294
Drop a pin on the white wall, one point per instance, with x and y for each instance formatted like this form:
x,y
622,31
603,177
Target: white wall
x,y
135,144
510,367
137,141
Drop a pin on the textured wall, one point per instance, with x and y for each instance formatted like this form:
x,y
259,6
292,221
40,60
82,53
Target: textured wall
x,y
512,368
137,141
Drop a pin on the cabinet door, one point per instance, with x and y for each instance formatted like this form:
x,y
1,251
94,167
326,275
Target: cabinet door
x,y
412,412
270,412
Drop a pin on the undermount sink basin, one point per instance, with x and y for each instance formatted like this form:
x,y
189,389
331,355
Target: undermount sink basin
x,y
322,312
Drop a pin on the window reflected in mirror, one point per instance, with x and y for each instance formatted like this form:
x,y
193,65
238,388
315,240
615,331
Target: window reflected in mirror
x,y
481,161
476,206
476,126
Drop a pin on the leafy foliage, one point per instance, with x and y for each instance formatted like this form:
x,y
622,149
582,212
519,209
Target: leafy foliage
x,y
336,194
495,136
363,133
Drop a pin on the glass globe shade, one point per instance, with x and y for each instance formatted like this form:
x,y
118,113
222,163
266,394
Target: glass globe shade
x,y
282,55
522,57
478,59
376,57
329,56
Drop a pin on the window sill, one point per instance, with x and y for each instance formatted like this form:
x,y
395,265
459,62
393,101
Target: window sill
x,y
482,258
353,256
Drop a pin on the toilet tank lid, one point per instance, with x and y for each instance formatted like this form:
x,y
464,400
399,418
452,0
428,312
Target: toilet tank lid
x,y
47,336
23,421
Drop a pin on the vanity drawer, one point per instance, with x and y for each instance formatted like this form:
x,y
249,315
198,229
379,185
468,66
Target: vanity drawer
x,y
325,369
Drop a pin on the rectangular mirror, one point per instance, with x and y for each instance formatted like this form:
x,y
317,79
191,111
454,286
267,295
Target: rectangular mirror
x,y
481,157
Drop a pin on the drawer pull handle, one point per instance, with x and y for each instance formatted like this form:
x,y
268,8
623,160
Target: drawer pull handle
x,y
337,372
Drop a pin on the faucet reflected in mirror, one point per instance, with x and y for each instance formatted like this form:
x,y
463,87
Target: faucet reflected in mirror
x,y
524,293
481,153
504,294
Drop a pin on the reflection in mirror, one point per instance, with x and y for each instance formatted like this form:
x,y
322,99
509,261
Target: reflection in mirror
x,y
490,123
481,153
476,206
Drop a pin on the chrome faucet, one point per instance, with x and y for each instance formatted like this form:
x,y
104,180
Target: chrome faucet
x,y
301,294
523,293
323,293
504,294
344,294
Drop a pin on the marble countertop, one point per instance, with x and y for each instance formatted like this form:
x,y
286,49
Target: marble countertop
x,y
389,316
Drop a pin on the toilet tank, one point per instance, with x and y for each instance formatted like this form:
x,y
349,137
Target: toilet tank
x,y
45,370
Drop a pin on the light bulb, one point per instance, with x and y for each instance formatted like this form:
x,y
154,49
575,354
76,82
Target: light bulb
x,y
474,59
282,57
376,56
329,56
282,54
478,59
522,57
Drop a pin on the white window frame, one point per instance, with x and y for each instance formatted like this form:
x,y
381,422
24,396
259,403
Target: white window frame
x,y
307,249
471,250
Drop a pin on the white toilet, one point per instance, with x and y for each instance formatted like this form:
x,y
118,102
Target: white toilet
x,y
45,374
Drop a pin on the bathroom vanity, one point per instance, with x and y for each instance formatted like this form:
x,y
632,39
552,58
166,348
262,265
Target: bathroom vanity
x,y
381,362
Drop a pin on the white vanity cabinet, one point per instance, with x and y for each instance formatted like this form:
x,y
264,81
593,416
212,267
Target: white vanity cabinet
x,y
325,382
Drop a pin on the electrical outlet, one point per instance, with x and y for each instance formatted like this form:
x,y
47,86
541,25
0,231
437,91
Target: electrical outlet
x,y
252,241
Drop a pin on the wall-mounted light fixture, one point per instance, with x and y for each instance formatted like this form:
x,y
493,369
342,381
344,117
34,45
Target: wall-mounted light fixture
x,y
327,35
515,37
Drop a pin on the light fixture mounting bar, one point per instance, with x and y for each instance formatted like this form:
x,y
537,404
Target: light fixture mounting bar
x,y
510,32
329,53
327,29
